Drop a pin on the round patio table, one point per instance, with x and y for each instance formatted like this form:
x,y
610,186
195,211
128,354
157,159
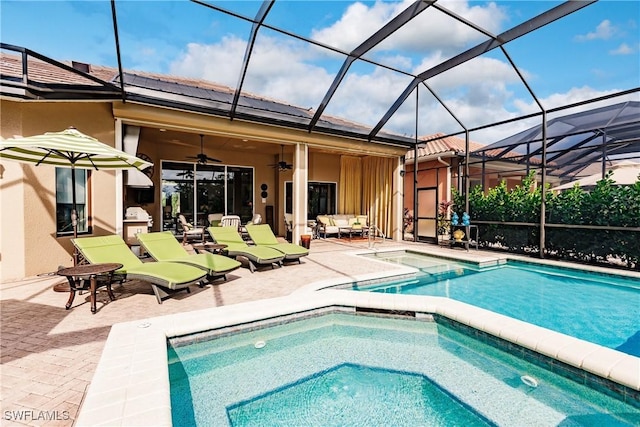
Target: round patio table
x,y
77,280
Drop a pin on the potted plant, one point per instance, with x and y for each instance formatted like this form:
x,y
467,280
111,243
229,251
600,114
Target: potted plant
x,y
444,223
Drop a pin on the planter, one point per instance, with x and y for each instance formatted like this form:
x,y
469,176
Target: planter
x,y
458,235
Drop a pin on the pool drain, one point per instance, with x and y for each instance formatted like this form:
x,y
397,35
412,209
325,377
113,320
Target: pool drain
x,y
259,344
529,380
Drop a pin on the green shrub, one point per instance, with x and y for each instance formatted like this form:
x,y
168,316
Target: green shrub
x,y
606,204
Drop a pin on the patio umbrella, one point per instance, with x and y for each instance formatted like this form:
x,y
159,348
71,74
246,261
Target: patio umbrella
x,y
68,149
623,174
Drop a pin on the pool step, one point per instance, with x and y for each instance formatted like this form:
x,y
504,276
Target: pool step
x,y
423,279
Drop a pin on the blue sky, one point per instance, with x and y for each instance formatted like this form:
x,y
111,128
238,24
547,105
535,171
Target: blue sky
x,y
592,52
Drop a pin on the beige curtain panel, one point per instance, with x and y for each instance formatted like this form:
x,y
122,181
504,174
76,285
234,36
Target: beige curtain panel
x,y
350,190
377,190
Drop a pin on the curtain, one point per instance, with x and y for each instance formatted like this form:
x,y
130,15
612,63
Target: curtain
x,y
350,191
377,191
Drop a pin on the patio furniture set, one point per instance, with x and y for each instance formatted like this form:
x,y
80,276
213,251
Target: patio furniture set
x,y
173,269
343,224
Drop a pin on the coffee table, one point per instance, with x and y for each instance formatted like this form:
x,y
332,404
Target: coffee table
x,y
214,248
77,282
362,230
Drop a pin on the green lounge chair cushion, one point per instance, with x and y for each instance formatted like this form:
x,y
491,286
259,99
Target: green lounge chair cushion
x,y
163,246
237,247
262,235
113,249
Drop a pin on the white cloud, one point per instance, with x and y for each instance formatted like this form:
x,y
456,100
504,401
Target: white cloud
x,y
364,98
428,31
278,69
356,25
479,92
603,31
218,62
623,49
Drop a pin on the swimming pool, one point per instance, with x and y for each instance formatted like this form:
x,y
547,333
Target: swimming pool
x,y
131,383
599,308
345,369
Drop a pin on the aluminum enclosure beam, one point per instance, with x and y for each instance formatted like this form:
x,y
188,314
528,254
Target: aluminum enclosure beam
x,y
261,15
518,31
392,26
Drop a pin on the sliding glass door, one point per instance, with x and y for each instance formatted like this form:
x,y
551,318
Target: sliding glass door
x,y
196,191
321,197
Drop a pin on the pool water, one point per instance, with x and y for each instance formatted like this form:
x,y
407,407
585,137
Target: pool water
x,y
600,308
356,395
357,370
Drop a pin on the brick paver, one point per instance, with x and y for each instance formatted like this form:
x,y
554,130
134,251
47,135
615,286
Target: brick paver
x,y
48,354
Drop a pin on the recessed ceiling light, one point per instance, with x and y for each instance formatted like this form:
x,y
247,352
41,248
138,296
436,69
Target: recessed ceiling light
x,y
245,140
162,130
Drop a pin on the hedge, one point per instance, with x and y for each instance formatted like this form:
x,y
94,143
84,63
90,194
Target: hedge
x,y
607,204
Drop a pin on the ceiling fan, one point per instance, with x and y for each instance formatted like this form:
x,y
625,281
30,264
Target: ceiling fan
x,y
203,158
282,165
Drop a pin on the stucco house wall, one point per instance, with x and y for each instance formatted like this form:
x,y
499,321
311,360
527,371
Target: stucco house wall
x,y
29,244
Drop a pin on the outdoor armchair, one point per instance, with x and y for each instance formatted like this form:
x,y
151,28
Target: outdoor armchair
x,y
163,246
256,255
214,219
189,230
164,277
230,220
262,235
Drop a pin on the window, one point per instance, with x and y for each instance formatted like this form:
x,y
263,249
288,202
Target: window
x,y
321,198
196,191
64,201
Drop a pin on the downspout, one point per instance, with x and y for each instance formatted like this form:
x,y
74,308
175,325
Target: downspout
x,y
448,187
415,192
466,172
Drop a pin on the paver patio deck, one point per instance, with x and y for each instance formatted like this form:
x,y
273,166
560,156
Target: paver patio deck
x,y
48,354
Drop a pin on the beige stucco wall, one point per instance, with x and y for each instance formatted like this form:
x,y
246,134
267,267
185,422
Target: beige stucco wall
x,y
29,242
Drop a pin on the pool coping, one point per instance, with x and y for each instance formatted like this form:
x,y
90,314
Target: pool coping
x,y
131,383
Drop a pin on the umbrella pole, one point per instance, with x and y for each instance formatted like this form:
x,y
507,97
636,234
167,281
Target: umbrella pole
x,y
74,215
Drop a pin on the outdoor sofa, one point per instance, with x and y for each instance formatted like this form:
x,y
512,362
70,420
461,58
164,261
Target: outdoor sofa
x,y
331,224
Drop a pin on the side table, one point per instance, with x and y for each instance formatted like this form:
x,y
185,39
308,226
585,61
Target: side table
x,y
75,274
214,248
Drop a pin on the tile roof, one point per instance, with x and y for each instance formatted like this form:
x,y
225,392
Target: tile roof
x,y
438,143
41,72
44,72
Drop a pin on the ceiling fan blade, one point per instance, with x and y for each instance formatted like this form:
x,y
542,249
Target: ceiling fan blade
x,y
281,165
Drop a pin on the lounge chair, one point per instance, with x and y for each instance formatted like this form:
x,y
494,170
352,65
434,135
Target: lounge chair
x,y
164,277
262,235
163,246
256,255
